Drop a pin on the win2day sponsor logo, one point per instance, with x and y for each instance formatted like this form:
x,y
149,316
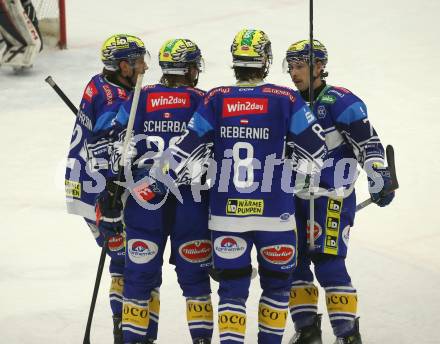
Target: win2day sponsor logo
x,y
278,254
196,251
244,106
167,100
229,247
141,251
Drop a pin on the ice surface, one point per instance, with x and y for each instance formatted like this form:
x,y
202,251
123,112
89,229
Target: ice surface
x,y
384,51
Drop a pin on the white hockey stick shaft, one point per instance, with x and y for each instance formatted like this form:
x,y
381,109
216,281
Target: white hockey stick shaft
x,y
130,124
312,222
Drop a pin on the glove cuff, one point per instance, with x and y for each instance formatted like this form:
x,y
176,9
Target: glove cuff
x,y
111,219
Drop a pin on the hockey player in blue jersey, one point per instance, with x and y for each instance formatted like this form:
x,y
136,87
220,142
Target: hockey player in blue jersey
x,y
350,140
124,58
151,213
250,129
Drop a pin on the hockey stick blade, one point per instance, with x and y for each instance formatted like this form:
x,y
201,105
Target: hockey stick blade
x,y
394,183
392,168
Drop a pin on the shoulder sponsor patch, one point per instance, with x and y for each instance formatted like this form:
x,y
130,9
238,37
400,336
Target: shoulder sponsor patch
x,y
90,92
108,94
328,99
229,247
278,254
212,93
244,106
196,251
197,91
141,251
279,92
244,207
167,100
342,89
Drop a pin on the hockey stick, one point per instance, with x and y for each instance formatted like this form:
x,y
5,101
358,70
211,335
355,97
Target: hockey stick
x,y
62,95
311,92
127,139
394,183
95,291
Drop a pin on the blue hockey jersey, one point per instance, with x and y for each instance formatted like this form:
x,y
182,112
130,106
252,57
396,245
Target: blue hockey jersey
x,y
162,115
349,136
88,152
249,129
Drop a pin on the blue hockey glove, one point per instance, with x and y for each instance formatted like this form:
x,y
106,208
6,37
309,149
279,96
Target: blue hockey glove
x,y
379,175
109,211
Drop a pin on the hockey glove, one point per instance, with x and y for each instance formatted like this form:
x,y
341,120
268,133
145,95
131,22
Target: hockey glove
x,y
116,152
380,175
108,209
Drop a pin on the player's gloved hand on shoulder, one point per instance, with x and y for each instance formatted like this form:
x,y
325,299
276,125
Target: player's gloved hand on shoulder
x,y
378,176
108,210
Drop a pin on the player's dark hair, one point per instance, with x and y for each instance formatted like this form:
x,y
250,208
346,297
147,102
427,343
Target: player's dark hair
x,y
247,74
112,77
172,80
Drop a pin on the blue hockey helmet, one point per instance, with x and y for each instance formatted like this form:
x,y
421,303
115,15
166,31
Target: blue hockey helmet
x,y
299,52
122,47
252,49
176,55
